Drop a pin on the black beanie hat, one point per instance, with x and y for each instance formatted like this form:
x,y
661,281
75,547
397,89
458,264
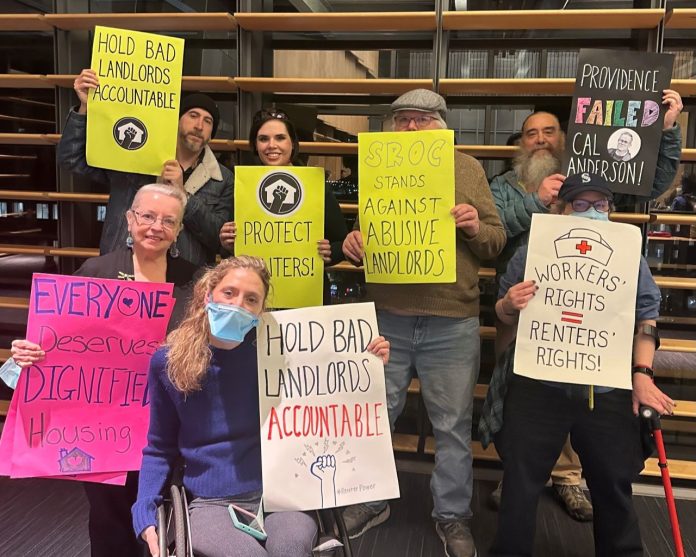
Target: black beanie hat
x,y
199,100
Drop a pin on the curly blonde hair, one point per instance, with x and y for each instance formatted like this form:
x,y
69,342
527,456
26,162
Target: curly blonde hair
x,y
189,349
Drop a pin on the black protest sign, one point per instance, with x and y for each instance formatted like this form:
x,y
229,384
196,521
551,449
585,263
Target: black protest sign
x,y
616,118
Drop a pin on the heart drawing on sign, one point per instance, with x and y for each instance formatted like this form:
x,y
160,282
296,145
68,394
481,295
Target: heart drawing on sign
x,y
128,302
74,461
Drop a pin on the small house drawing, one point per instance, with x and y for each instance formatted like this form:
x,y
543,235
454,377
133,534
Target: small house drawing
x,y
75,460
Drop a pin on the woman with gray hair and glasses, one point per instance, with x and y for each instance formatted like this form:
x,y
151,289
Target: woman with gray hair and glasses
x,y
149,255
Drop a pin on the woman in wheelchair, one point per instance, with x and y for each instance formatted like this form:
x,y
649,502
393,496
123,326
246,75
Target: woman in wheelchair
x,y
204,408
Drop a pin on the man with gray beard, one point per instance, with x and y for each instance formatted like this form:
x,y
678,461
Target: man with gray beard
x,y
532,187
533,183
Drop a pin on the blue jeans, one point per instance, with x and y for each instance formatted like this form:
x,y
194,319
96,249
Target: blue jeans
x,y
444,353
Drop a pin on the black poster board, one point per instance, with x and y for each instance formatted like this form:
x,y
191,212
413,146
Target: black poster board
x,y
616,119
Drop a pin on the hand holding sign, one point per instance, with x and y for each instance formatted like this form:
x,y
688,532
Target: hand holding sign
x,y
228,234
379,346
674,107
26,353
172,174
83,83
466,217
548,190
324,248
353,247
518,296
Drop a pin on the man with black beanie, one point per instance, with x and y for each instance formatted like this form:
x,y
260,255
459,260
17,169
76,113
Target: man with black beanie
x,y
208,185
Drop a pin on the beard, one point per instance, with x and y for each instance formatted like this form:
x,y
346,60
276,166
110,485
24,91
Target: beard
x,y
192,145
532,167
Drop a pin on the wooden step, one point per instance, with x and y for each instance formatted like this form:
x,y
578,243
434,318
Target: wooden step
x,y
681,18
7,302
190,21
4,407
24,22
48,250
54,196
485,20
330,85
335,148
325,22
406,443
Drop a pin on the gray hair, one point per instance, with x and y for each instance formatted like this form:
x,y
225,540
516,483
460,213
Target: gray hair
x,y
162,189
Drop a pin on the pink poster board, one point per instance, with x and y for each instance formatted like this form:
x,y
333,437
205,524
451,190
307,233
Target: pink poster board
x,y
84,409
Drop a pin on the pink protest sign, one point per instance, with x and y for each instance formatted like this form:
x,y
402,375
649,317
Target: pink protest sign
x,y
84,409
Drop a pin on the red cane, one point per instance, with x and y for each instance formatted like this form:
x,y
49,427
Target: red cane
x,y
653,417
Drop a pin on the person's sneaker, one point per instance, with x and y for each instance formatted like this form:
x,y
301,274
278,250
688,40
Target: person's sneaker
x,y
457,538
496,495
360,518
575,502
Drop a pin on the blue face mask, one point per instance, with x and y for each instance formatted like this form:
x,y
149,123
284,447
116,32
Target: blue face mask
x,y
229,323
592,214
9,373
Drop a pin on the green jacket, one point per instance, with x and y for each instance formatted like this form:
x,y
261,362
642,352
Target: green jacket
x,y
516,205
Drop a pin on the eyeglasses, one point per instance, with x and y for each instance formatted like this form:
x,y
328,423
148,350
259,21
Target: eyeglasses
x,y
420,121
267,114
148,219
582,205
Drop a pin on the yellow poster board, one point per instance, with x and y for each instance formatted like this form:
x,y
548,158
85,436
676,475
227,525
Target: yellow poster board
x,y
133,114
406,193
279,211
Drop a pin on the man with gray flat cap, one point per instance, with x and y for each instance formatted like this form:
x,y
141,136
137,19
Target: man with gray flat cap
x,y
434,332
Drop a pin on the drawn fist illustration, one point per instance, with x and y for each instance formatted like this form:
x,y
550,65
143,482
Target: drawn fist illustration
x,y
324,468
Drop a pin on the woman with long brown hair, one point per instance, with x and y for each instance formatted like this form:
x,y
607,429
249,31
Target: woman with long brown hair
x,y
205,409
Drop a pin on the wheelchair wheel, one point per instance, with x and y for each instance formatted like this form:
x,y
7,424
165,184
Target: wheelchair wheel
x,y
162,536
179,521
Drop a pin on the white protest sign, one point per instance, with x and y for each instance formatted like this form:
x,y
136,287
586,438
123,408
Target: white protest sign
x,y
579,326
325,438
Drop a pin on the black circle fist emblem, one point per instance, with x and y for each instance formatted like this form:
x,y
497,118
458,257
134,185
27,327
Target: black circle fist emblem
x,y
130,133
280,193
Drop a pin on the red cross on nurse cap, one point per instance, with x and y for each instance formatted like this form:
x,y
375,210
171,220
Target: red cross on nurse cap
x,y
583,243
576,184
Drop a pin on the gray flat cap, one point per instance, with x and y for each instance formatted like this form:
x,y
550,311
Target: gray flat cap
x,y
421,100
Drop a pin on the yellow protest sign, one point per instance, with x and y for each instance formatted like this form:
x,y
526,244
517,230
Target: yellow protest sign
x,y
279,211
133,114
406,192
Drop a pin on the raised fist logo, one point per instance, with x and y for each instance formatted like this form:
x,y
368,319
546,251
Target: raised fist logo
x,y
280,193
130,133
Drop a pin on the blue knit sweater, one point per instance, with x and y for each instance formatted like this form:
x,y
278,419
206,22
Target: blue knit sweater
x,y
216,430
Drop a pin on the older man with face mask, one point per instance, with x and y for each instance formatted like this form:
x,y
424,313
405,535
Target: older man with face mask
x,y
434,332
532,186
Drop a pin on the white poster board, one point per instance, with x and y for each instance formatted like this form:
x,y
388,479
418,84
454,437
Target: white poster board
x,y
578,328
325,438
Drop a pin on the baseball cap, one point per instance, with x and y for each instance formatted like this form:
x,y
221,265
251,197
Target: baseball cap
x,y
575,184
